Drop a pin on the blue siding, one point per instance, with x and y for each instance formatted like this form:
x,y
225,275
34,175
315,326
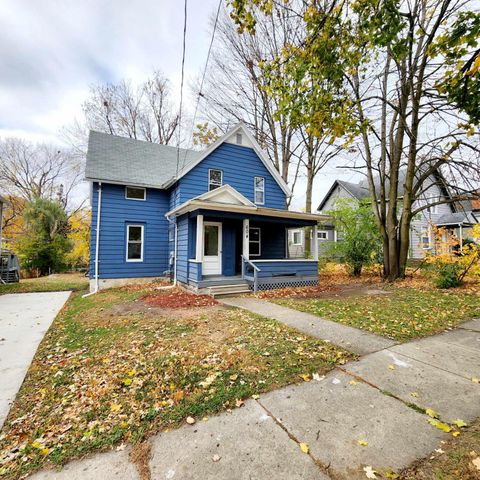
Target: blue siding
x,y
239,165
272,240
194,271
116,213
290,267
182,248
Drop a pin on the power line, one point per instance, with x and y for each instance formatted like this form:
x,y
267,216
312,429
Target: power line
x,y
181,83
199,95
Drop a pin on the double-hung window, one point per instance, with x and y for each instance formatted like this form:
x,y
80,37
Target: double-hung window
x,y
215,179
259,187
322,235
135,193
254,242
426,242
134,243
296,237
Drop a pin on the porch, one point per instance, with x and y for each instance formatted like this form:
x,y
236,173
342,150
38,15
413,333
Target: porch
x,y
226,240
231,250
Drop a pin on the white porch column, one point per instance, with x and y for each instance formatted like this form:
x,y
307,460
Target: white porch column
x,y
315,242
246,238
199,243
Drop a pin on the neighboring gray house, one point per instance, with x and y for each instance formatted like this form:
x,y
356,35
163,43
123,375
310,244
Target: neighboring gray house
x,y
458,218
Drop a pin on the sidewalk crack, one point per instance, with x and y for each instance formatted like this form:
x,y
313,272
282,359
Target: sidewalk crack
x,y
324,468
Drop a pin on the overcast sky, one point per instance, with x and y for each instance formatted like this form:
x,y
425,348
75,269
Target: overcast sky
x,y
52,50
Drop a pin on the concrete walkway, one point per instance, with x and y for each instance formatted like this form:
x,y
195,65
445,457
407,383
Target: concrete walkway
x,y
24,319
365,401
350,338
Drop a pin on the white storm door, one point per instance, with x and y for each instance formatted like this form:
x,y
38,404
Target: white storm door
x,y
212,248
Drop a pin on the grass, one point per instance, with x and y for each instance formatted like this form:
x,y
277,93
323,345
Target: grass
x,y
52,283
456,461
114,369
402,313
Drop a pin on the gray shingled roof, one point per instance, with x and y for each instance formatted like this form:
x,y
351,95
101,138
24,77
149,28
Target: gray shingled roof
x,y
133,162
358,190
466,218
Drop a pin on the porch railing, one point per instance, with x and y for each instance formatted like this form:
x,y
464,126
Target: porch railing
x,y
245,274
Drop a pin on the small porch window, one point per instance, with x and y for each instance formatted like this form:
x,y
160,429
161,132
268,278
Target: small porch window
x,y
215,179
322,235
135,193
254,242
296,237
259,185
134,243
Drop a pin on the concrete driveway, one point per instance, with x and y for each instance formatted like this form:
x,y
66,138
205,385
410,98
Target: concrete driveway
x,y
24,319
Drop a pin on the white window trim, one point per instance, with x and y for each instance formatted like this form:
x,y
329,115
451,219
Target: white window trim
x,y
293,237
259,241
221,178
322,232
141,244
255,189
137,199
426,235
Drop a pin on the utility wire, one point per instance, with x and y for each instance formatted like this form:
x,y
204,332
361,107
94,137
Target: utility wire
x,y
199,95
181,84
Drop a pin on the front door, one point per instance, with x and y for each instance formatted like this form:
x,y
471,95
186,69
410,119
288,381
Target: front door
x,y
212,248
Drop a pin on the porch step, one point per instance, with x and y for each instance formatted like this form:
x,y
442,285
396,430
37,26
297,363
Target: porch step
x,y
224,290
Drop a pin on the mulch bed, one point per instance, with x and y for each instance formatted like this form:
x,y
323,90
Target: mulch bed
x,y
178,299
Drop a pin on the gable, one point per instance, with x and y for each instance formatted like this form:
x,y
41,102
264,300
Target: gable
x,y
227,195
239,164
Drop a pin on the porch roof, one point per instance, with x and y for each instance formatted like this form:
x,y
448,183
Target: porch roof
x,y
457,218
193,205
227,199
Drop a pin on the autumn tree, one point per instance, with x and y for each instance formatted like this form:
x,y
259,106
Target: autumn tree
x,y
371,74
79,237
29,171
44,244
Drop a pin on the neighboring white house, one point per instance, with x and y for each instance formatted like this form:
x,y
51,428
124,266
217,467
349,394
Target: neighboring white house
x,y
456,217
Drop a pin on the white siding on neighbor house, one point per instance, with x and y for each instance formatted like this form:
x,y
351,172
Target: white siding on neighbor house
x,y
298,251
422,222
339,192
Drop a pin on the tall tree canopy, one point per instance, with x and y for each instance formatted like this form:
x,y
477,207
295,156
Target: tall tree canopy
x,y
382,77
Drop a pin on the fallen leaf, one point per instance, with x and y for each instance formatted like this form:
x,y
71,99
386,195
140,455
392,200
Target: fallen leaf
x,y
414,394
45,451
440,425
439,450
305,377
317,377
304,447
459,423
255,397
391,474
239,403
352,382
369,472
431,413
475,380
190,420
115,407
455,434
216,458
363,443
476,462
391,367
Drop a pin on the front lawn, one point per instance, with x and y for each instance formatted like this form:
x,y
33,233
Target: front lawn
x,y
116,367
401,313
53,283
457,458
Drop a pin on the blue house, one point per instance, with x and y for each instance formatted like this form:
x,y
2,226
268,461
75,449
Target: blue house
x,y
214,220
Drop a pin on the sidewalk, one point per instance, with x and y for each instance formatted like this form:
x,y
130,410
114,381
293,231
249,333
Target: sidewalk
x,y
361,401
350,338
